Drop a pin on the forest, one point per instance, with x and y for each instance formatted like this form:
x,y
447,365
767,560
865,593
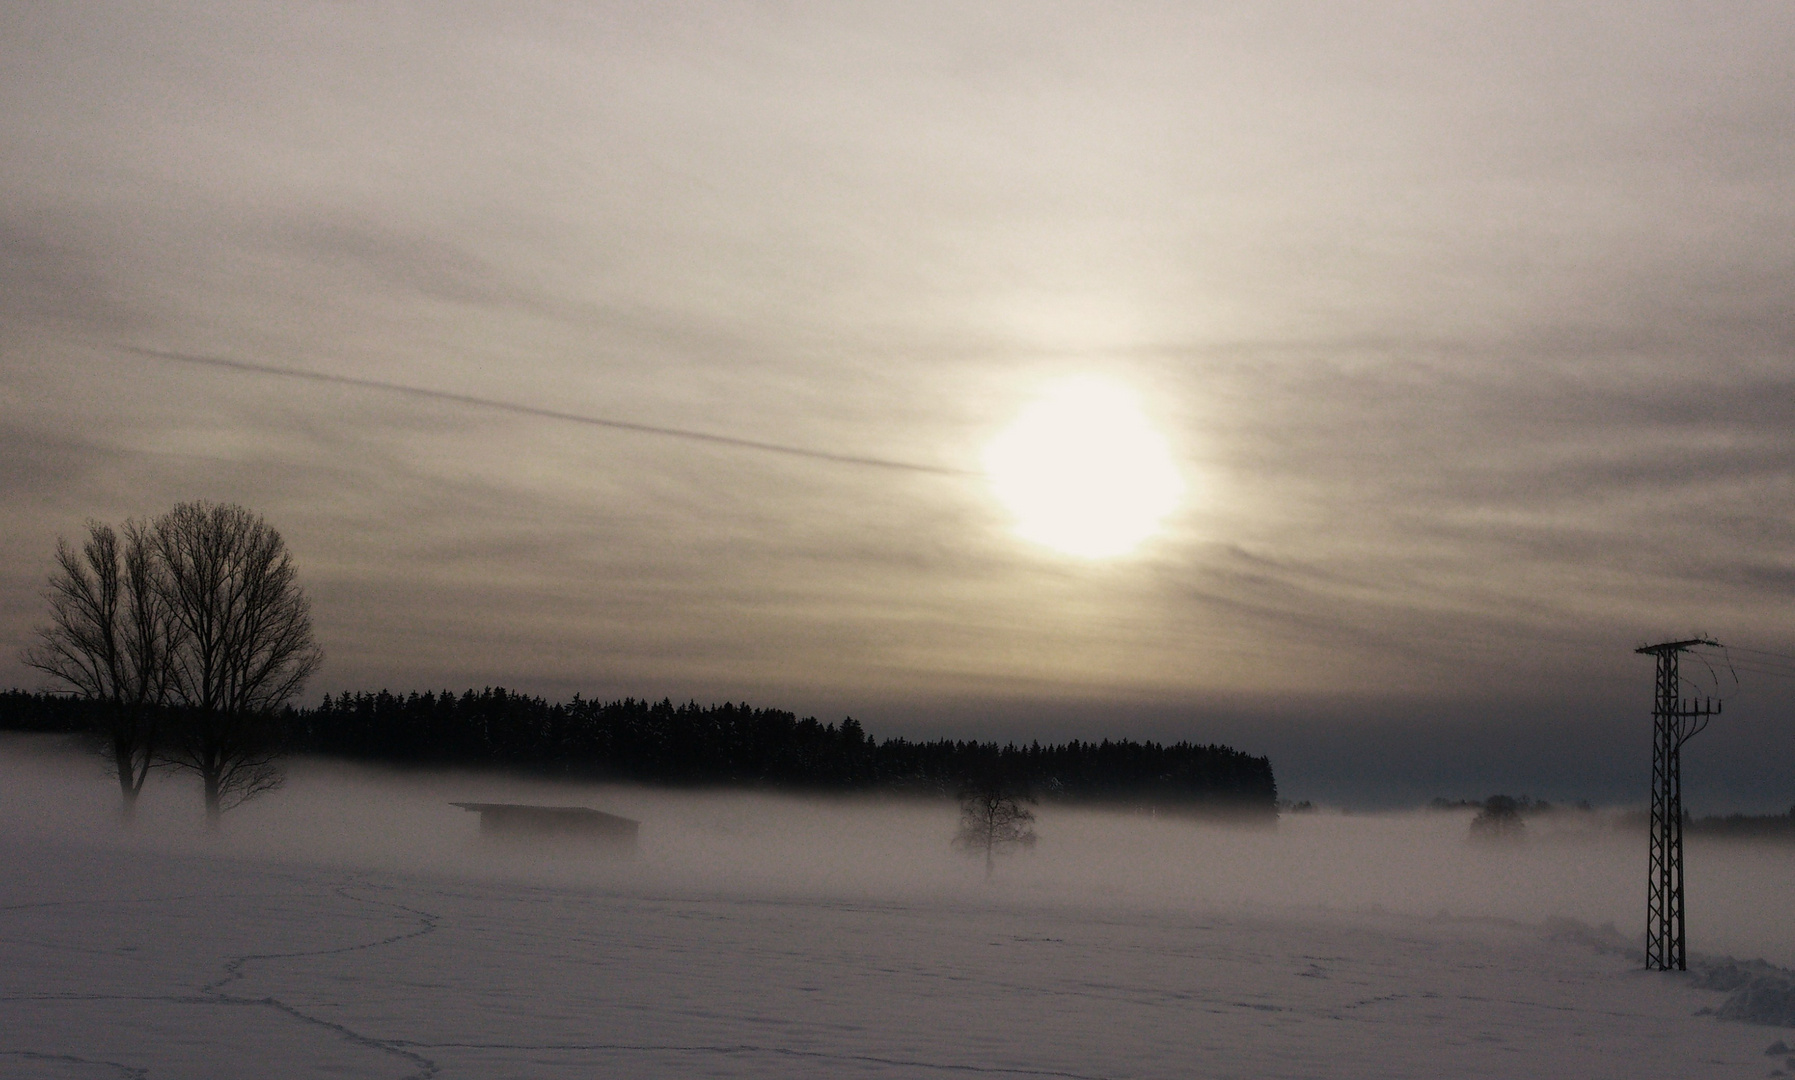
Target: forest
x,y
726,745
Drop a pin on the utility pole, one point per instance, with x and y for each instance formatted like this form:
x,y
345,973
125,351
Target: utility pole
x,y
1674,722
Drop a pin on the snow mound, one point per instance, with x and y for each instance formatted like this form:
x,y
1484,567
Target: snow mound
x,y
1757,992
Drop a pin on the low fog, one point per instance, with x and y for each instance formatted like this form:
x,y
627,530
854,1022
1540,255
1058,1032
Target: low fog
x,y
1583,866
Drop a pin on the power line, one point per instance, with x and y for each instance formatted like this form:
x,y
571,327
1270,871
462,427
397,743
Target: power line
x,y
250,368
1759,657
1770,672
1765,667
1713,675
1759,652
1759,663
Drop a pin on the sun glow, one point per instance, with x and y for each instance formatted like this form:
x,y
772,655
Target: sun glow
x,y
1083,471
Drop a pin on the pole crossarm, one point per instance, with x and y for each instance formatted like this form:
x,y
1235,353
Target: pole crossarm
x,y
1676,646
1675,720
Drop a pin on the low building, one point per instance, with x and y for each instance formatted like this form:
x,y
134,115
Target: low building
x,y
576,824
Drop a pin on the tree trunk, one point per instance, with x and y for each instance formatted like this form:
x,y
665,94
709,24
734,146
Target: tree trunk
x,y
990,844
124,762
214,807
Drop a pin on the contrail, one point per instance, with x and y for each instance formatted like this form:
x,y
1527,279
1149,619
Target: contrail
x,y
248,368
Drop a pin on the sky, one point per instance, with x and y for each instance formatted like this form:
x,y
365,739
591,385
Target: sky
x,y
656,351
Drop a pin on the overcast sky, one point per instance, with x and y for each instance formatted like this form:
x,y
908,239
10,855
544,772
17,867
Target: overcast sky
x,y
1470,325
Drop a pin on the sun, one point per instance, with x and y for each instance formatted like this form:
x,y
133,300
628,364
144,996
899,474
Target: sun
x,y
1083,471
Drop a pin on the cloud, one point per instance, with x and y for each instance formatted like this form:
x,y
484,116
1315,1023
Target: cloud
x,y
388,258
588,349
49,279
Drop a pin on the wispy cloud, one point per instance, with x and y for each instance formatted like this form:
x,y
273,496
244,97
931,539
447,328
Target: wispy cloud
x,y
589,347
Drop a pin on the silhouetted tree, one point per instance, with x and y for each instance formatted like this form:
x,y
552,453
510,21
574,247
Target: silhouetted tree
x,y
992,819
244,647
110,639
1500,819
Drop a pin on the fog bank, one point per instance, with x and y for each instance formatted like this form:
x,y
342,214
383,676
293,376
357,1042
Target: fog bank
x,y
871,849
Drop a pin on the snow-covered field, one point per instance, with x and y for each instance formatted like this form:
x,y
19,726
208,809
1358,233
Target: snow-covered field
x,y
354,925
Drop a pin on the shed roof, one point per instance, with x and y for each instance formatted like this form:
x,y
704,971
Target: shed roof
x,y
558,811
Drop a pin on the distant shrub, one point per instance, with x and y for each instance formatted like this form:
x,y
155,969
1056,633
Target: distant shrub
x,y
1441,803
1499,820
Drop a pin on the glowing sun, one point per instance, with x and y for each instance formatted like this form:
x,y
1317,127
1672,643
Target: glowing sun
x,y
1083,471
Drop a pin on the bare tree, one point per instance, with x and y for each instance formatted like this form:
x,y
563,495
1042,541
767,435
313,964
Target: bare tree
x,y
1499,821
245,646
993,820
110,640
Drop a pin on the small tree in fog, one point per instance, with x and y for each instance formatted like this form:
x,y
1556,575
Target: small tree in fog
x,y
109,640
993,820
244,646
1499,820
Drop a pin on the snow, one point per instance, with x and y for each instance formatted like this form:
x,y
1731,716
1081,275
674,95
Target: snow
x,y
354,925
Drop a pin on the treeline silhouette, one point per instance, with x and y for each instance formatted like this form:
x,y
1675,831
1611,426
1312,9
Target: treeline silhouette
x,y
1747,826
731,744
21,710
